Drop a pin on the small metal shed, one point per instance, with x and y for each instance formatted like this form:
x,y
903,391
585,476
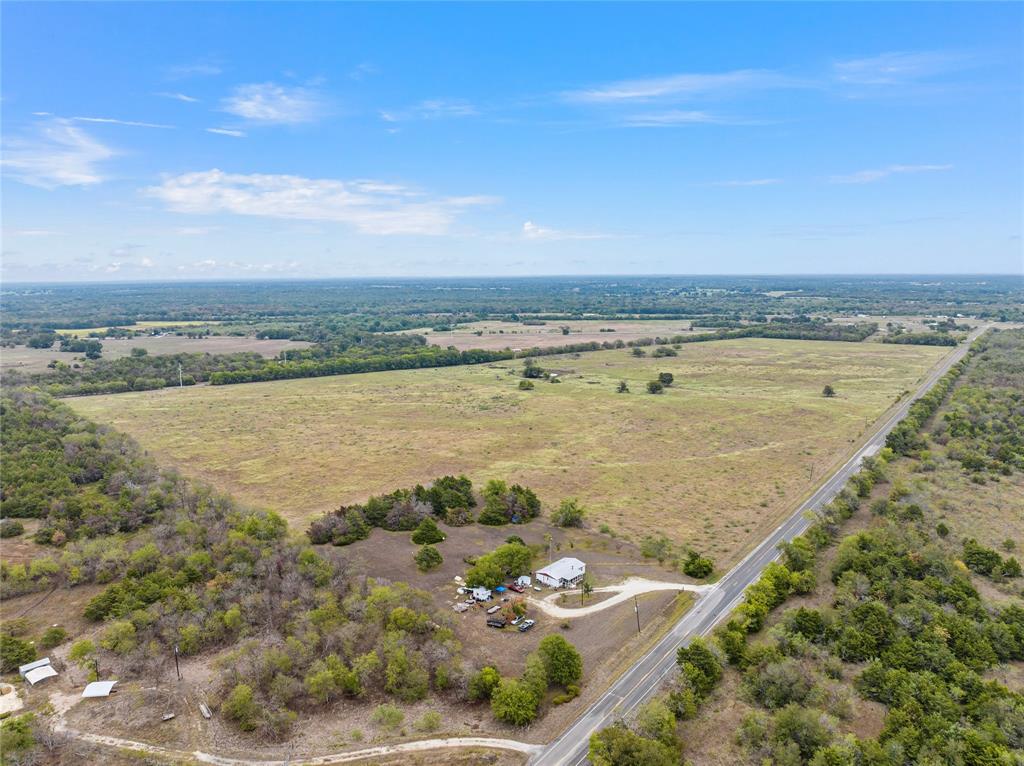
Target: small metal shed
x,y
99,689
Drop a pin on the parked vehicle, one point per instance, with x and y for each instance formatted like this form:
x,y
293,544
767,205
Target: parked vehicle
x,y
526,626
516,588
496,622
517,620
493,609
537,588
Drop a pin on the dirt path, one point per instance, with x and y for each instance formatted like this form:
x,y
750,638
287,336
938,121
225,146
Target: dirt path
x,y
633,586
320,760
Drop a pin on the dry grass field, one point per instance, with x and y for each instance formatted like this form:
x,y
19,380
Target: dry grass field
x,y
500,335
714,462
28,359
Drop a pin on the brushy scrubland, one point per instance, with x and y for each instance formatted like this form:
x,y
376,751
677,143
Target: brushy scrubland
x,y
903,626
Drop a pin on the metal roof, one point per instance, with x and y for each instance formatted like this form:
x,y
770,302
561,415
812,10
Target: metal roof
x,y
33,665
36,675
99,689
563,569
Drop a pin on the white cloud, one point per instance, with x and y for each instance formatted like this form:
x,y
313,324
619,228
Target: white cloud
x,y
750,182
534,232
877,174
675,118
361,71
178,97
432,109
274,104
129,123
60,155
896,68
680,86
227,132
197,69
32,232
371,207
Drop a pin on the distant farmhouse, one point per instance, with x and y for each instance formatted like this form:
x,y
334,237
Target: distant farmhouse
x,y
564,573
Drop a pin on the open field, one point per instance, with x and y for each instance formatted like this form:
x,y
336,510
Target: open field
x,y
500,335
714,462
35,359
83,332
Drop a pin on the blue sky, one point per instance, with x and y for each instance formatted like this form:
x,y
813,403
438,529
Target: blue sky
x,y
172,141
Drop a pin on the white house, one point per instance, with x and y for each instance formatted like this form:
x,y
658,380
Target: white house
x,y
523,581
563,573
481,594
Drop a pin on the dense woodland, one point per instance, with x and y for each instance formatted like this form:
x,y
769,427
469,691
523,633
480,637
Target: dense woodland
x,y
905,626
466,299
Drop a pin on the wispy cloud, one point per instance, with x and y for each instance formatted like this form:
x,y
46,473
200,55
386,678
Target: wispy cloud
x,y
877,174
532,231
227,132
362,71
750,182
59,154
371,207
31,232
274,104
129,123
680,86
897,68
431,109
675,118
195,69
178,97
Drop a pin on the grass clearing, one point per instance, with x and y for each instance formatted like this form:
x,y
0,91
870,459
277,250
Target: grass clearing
x,y
493,334
714,462
27,359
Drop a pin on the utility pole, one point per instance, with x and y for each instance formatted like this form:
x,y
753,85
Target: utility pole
x,y
181,384
636,608
177,668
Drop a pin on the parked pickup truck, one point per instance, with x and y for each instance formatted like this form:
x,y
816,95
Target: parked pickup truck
x,y
516,588
526,626
493,609
496,622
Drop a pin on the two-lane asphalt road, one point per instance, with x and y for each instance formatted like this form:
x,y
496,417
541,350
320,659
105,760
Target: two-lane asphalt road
x,y
640,681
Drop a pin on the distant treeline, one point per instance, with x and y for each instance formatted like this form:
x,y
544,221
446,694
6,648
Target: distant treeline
x,y
922,339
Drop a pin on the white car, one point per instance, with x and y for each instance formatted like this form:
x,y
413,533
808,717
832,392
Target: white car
x,y
516,620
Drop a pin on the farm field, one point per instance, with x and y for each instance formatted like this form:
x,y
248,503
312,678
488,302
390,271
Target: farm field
x,y
714,462
496,335
35,359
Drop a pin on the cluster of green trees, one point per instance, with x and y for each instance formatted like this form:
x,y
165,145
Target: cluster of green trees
x,y
517,701
449,498
922,339
983,425
91,348
988,562
81,479
509,560
905,438
505,504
